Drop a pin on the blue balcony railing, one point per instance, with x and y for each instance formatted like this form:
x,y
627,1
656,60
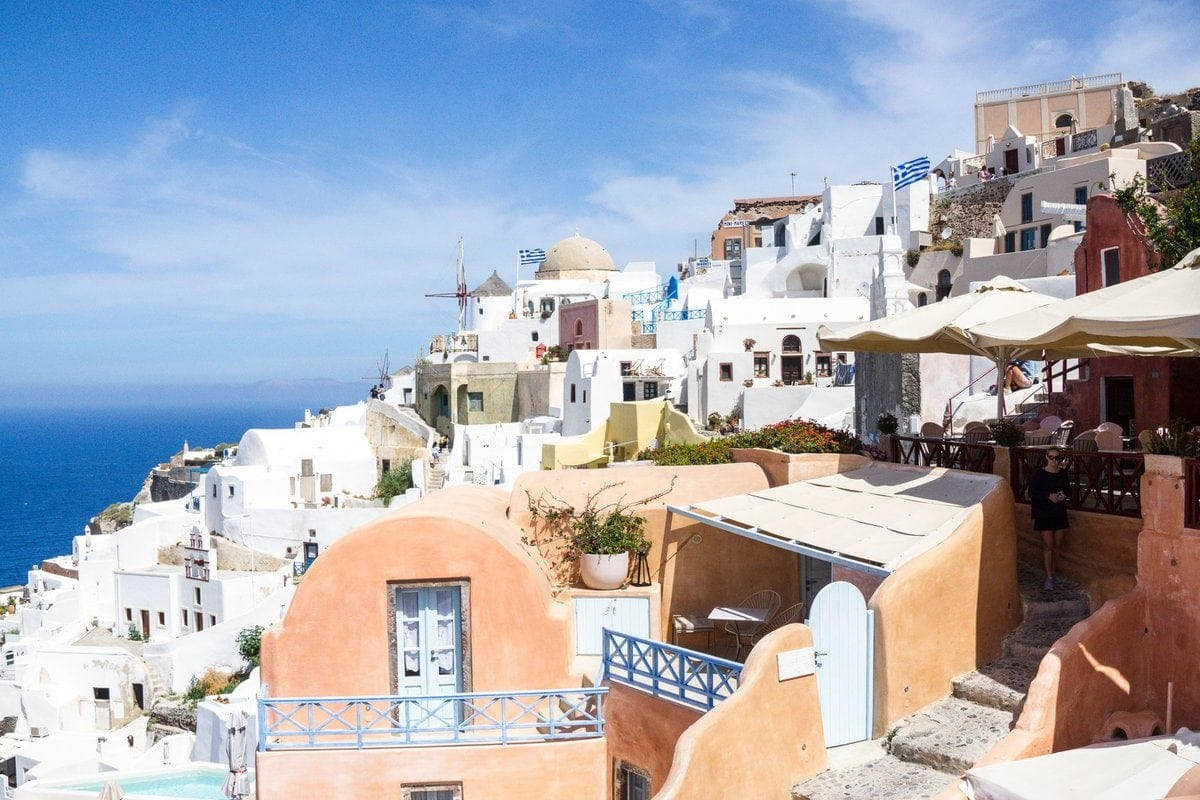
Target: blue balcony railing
x,y
681,314
674,673
390,721
647,296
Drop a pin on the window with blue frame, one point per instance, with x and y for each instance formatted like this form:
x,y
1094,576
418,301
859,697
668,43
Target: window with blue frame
x,y
1028,238
1010,242
1044,234
1027,207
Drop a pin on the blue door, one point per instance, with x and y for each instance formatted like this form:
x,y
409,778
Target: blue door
x,y
429,649
844,639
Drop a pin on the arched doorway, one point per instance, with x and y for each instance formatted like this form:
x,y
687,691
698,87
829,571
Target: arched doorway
x,y
943,284
792,366
440,403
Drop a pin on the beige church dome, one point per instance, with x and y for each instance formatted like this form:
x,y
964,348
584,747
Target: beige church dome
x,y
574,255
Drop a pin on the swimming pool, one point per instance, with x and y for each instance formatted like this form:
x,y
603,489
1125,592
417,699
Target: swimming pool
x,y
193,782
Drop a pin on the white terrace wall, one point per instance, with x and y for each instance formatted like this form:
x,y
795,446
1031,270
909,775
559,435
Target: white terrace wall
x,y
178,660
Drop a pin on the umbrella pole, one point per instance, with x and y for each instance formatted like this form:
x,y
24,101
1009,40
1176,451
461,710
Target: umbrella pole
x,y
1000,362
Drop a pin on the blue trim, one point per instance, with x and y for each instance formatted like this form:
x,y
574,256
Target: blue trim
x,y
667,671
317,723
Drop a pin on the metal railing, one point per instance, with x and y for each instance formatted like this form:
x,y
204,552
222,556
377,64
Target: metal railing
x,y
664,670
392,721
923,452
1168,172
1084,140
1191,492
1049,87
646,296
1101,482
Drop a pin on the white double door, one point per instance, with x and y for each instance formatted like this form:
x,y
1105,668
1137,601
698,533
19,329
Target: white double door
x,y
428,640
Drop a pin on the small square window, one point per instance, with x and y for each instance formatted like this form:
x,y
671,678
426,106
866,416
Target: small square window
x,y
185,618
212,619
630,782
762,364
649,390
196,590
1111,259
879,226
726,371
533,336
1044,234
162,618
1010,242
100,692
129,615
231,491
626,369
475,401
824,365
1028,238
443,791
1081,195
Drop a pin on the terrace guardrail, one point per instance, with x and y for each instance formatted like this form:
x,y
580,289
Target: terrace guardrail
x,y
668,671
647,296
1049,87
1168,172
1084,140
1191,492
317,723
1102,482
949,453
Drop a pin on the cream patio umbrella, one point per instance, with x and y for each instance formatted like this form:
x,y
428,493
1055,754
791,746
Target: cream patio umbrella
x,y
112,791
1157,314
944,327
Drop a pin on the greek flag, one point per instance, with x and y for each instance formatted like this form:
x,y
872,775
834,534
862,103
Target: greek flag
x,y
534,255
910,172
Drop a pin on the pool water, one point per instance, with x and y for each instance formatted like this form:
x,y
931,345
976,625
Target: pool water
x,y
191,784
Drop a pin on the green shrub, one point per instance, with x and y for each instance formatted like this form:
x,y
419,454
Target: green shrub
x,y
212,681
887,423
912,257
1008,433
788,436
134,634
395,481
249,643
1176,439
119,513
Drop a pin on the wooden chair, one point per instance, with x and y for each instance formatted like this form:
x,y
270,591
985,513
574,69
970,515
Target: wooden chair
x,y
931,430
1108,439
1110,426
1085,442
1031,425
1145,438
786,617
767,600
976,425
1038,438
977,436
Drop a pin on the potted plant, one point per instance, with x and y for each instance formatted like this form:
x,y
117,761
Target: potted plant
x,y
1008,433
600,535
887,424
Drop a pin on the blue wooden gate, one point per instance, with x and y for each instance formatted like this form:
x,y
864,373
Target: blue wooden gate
x,y
844,638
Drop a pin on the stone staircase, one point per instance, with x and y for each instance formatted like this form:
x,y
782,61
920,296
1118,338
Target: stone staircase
x,y
927,751
435,478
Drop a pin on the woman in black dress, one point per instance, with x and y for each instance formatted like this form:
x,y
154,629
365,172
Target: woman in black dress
x,y
1048,491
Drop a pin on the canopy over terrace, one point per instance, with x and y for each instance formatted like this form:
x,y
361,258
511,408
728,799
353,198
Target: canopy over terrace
x,y
873,519
1157,314
944,327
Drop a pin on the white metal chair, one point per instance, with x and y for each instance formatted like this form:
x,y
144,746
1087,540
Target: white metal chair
x,y
767,600
1050,422
1063,435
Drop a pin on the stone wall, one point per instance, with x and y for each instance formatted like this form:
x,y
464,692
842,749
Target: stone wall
x,y
178,714
883,383
968,212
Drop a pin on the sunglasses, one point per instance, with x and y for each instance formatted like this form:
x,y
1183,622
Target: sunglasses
x,y
1054,458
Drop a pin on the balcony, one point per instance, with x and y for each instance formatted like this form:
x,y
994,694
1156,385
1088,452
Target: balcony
x,y
454,343
672,673
453,719
1168,172
1049,87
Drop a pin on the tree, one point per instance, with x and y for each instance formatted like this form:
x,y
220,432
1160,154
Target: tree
x,y
1172,223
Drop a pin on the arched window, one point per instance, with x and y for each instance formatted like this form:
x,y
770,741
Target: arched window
x,y
922,299
579,327
1063,121
943,284
791,344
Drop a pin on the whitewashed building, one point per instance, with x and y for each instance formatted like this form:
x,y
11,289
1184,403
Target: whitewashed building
x,y
596,378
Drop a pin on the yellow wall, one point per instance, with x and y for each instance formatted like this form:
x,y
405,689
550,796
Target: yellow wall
x,y
634,425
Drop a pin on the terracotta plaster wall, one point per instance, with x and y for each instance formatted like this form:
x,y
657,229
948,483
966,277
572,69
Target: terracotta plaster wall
x,y
946,611
782,468
760,741
334,639
642,730
695,576
554,769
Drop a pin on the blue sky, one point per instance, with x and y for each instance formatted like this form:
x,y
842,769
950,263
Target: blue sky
x,y
214,193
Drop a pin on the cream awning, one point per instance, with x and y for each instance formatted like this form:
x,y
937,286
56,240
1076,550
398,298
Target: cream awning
x,y
874,519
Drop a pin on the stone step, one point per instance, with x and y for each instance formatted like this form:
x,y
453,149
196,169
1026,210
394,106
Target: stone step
x,y
1034,637
1001,684
882,779
1049,608
950,735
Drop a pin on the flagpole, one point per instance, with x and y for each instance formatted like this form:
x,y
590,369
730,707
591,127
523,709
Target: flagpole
x,y
892,172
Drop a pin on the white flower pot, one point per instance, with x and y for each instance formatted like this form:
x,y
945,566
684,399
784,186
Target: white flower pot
x,y
604,572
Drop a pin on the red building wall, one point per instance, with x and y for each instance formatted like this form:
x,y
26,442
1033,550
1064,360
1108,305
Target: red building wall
x,y
1163,388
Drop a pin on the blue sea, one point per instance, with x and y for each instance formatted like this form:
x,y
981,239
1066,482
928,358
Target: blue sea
x,y
64,464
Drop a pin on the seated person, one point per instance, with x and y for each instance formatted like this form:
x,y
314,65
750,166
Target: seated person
x,y
1014,378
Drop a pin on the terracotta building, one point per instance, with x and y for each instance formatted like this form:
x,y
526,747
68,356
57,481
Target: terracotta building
x,y
1136,393
740,228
